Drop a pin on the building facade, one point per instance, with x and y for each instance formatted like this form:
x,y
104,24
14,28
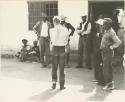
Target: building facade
x,y
17,17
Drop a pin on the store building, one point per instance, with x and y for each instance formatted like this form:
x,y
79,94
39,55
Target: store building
x,y
17,17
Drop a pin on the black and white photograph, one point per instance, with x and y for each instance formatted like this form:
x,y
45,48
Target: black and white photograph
x,y
62,51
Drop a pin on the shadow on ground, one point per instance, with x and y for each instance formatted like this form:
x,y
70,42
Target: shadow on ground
x,y
45,95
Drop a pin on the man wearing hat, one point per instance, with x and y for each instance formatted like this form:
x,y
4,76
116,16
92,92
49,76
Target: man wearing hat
x,y
97,58
59,39
42,30
109,42
72,29
84,45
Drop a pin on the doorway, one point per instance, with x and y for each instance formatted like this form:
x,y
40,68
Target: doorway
x,y
105,8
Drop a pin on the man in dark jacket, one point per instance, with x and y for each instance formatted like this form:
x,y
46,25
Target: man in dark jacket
x,y
84,46
97,58
67,47
42,30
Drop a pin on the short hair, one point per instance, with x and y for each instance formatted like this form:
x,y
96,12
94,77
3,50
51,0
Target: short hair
x,y
56,20
85,16
25,40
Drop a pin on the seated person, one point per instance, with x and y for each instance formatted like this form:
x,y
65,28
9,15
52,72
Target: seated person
x,y
22,55
34,51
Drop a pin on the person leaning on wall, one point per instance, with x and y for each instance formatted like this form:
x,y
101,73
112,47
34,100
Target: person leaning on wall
x,y
84,45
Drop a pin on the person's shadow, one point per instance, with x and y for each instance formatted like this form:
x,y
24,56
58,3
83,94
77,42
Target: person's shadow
x,y
100,94
95,92
45,95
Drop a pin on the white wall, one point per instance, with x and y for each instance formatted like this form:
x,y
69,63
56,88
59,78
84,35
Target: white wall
x,y
14,24
14,21
73,9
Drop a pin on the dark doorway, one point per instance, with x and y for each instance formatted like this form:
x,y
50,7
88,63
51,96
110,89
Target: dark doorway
x,y
105,8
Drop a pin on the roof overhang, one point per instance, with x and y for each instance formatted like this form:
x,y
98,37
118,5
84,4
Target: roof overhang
x,y
106,0
40,0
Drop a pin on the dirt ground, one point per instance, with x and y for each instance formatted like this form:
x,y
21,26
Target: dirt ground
x,y
28,82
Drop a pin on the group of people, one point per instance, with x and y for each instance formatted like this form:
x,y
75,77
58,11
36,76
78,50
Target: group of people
x,y
101,36
28,52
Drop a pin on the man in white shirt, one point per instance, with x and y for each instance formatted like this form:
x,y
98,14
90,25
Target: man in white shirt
x,y
84,46
42,30
59,39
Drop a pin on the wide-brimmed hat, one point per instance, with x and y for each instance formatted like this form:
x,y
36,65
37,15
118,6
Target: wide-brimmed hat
x,y
109,20
62,17
100,21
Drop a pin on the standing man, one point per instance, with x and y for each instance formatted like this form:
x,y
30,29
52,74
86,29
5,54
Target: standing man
x,y
84,46
59,39
97,58
71,29
42,30
109,42
115,24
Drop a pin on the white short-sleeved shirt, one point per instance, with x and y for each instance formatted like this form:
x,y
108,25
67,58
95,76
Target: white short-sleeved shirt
x,y
59,35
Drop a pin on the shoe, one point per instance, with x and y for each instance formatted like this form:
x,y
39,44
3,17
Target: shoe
x,y
79,66
54,86
95,81
62,86
47,66
43,65
105,87
89,68
109,86
101,83
67,66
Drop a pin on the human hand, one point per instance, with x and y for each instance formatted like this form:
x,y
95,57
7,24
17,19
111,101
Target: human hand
x,y
97,34
111,47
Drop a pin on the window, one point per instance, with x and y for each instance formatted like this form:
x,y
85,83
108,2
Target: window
x,y
36,9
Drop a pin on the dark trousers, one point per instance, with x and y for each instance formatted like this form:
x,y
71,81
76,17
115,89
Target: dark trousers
x,y
44,47
84,49
107,55
67,53
58,59
97,64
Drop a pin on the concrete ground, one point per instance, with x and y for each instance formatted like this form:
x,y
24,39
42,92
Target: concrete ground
x,y
27,82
